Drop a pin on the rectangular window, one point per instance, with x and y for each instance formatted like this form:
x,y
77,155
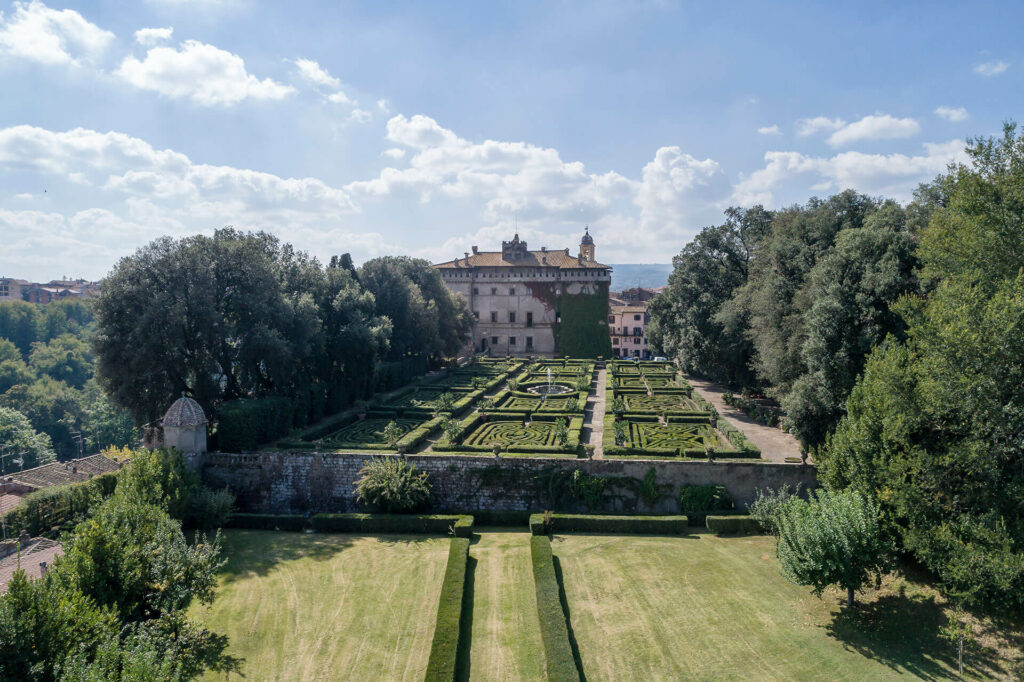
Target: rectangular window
x,y
511,340
611,319
512,318
636,317
476,291
511,291
615,341
494,340
529,342
476,314
494,316
637,331
494,291
529,320
4,290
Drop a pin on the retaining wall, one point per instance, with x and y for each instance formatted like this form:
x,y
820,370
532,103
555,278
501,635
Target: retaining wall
x,y
297,482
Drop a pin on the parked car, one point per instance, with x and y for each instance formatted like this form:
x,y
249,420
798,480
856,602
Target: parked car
x,y
660,358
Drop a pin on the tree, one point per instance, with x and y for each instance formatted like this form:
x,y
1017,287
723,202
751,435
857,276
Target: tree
x,y
65,358
23,441
685,318
832,538
13,370
391,485
53,408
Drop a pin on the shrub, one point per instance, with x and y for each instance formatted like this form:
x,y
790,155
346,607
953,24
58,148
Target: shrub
x,y
451,429
59,506
392,433
554,632
733,525
445,645
428,524
618,406
621,433
697,499
210,508
245,424
540,524
561,432
767,504
392,485
444,403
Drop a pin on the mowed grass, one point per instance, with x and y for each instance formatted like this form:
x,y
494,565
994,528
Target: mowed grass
x,y
300,606
702,607
504,634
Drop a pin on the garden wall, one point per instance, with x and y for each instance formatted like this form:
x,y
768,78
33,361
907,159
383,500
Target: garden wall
x,y
296,482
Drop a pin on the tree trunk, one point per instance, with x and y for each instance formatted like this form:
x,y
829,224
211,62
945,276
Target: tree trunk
x,y
849,596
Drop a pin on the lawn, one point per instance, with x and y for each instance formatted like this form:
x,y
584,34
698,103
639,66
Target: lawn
x,y
703,607
298,606
504,635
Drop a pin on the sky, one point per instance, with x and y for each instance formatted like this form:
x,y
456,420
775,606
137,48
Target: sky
x,y
426,128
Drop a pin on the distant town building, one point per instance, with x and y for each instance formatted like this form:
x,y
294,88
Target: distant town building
x,y
10,289
627,321
54,290
543,303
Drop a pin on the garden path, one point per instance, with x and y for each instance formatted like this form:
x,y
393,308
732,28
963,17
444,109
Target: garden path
x,y
775,444
593,417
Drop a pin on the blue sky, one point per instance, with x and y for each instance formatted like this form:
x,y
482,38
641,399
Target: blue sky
x,y
425,128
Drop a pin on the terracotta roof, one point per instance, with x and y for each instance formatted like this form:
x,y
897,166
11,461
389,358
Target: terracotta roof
x,y
9,501
34,552
58,473
632,308
531,259
184,412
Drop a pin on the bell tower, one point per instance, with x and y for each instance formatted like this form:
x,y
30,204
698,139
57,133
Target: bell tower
x,y
587,247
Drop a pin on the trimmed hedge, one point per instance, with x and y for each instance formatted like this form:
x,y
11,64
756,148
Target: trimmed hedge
x,y
59,506
554,632
245,424
734,525
625,525
738,439
508,519
429,524
445,646
294,522
418,435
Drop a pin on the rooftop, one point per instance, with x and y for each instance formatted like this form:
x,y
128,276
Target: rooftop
x,y
58,473
34,552
527,259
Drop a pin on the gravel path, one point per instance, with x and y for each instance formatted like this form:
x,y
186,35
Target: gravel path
x,y
776,445
593,417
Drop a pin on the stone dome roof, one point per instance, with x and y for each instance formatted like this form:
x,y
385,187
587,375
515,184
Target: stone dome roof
x,y
185,412
587,239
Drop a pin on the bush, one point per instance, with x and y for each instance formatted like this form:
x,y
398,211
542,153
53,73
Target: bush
x,y
245,424
426,524
768,503
623,525
445,645
554,632
697,499
294,522
392,485
733,525
211,508
59,506
519,519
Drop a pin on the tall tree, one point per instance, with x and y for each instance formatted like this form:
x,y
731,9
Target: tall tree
x,y
22,441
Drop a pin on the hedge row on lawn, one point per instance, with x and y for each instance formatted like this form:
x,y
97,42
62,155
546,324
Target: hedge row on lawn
x,y
295,522
445,645
431,524
554,633
733,525
592,523
53,509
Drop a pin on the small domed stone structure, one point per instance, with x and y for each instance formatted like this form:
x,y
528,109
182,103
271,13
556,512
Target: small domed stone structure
x,y
184,427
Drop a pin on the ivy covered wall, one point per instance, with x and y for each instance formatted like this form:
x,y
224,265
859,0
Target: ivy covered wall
x,y
583,330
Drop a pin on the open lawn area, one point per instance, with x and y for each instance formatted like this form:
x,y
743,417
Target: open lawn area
x,y
300,606
504,632
702,607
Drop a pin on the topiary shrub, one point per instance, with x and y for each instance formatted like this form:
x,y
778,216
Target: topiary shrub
x,y
698,499
392,485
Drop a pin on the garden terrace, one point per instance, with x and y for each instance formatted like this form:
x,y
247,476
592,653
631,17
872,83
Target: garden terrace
x,y
522,401
515,433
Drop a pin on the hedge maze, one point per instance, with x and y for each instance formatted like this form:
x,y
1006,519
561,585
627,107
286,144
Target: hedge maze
x,y
367,432
672,436
508,433
658,402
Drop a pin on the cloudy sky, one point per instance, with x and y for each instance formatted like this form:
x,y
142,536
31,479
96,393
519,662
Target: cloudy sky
x,y
425,128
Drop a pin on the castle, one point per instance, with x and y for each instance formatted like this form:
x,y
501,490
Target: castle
x,y
542,303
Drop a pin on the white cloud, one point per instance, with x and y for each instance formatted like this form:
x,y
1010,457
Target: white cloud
x,y
48,36
770,130
950,114
893,175
316,74
876,127
384,106
339,98
993,68
818,124
393,153
360,116
153,36
202,73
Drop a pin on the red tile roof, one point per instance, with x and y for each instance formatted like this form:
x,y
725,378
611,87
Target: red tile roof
x,y
58,473
34,552
530,259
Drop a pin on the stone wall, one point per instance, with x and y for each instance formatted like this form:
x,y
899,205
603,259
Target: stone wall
x,y
297,482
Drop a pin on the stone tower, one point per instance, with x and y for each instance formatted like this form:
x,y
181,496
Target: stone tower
x,y
184,428
587,247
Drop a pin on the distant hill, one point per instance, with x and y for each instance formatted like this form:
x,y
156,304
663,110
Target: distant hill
x,y
626,275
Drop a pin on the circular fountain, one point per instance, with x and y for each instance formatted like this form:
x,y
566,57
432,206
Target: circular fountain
x,y
550,388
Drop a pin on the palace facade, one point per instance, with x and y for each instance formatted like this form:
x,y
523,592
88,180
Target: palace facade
x,y
544,303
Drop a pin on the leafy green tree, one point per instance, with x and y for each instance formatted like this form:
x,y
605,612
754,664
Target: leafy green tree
x,y
932,429
24,442
685,318
13,370
392,433
832,538
19,323
65,358
104,423
161,478
53,408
